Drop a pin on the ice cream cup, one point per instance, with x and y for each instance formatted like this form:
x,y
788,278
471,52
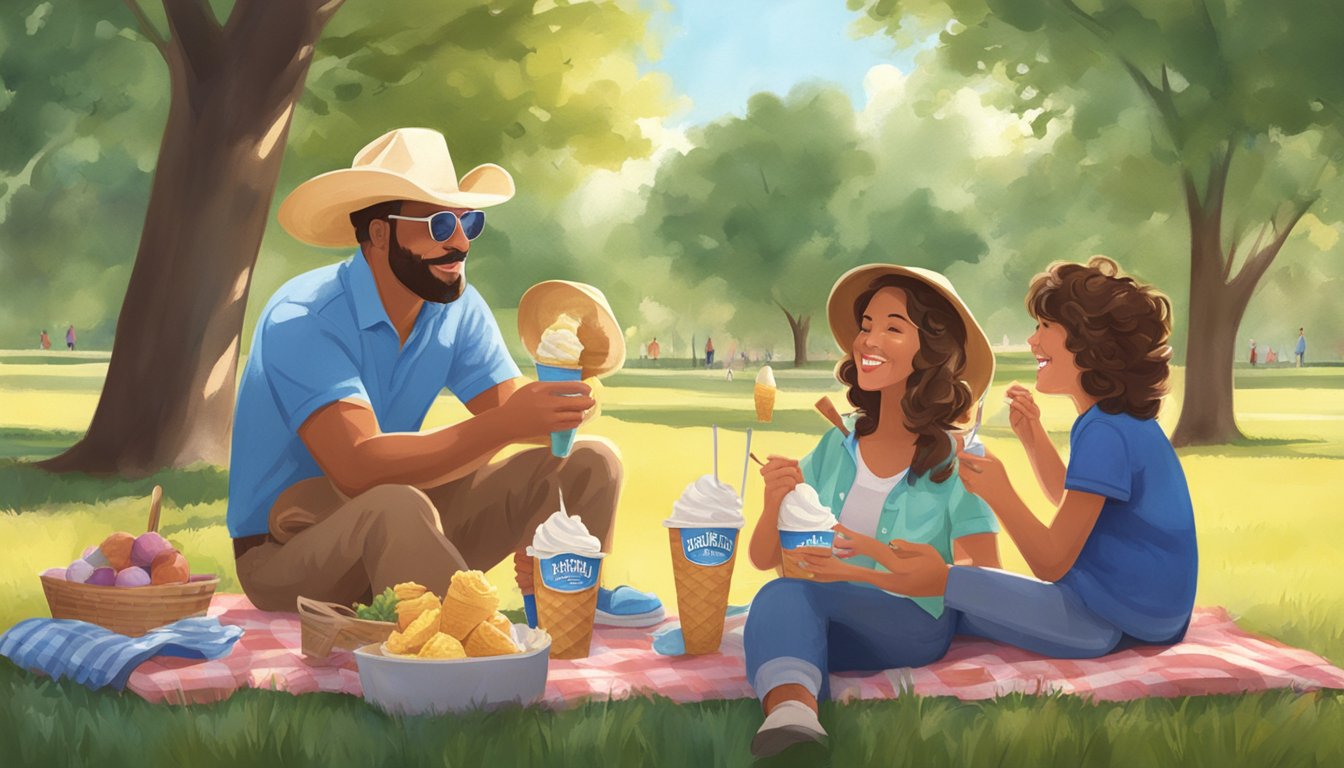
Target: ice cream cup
x,y
791,540
702,563
563,441
566,593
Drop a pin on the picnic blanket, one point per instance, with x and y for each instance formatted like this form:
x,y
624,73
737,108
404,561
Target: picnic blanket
x,y
1216,657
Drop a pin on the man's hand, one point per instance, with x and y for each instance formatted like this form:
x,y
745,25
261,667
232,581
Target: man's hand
x,y
542,407
781,476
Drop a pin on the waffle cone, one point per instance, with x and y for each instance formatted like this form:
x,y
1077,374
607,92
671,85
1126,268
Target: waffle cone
x,y
765,402
487,640
566,616
790,570
702,597
459,617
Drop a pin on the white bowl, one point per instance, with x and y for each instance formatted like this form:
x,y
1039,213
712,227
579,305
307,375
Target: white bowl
x,y
404,685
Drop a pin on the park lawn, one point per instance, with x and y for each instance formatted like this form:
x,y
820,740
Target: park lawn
x,y
1266,520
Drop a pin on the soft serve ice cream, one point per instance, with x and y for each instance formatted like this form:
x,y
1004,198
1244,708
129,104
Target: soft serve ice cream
x,y
567,562
703,532
802,510
560,345
707,503
764,392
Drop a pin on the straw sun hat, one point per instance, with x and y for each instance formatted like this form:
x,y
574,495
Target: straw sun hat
x,y
405,164
603,342
840,313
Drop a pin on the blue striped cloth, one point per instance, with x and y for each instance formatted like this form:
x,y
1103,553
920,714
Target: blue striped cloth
x,y
98,657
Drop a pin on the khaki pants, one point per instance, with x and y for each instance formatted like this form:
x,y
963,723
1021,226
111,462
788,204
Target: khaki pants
x,y
398,533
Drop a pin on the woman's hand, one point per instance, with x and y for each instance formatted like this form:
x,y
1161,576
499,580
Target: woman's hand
x,y
1023,414
818,564
985,477
781,476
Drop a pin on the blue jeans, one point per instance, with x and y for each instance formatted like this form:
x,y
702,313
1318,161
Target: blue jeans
x,y
801,631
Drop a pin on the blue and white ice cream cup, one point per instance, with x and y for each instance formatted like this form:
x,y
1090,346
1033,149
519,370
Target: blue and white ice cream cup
x,y
562,442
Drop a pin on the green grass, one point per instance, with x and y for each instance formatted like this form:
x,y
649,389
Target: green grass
x,y
48,723
1267,517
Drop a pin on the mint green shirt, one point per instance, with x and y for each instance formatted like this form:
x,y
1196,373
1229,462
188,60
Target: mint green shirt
x,y
917,509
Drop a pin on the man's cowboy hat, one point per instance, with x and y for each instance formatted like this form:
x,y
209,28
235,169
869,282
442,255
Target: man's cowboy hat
x,y
603,342
840,312
405,164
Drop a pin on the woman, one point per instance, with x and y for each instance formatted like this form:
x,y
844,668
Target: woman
x,y
915,362
1117,564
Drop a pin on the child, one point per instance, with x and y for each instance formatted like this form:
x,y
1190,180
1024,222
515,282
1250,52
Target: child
x,y
1118,561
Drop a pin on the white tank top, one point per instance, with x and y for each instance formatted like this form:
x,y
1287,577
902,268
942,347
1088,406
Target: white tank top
x,y
863,502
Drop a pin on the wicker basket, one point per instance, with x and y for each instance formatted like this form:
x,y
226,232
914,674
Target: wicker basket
x,y
331,625
130,611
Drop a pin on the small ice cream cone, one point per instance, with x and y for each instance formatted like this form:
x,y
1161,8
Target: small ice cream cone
x,y
470,600
487,640
566,616
765,391
702,596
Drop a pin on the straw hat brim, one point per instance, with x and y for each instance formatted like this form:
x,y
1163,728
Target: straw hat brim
x,y
318,210
600,334
840,314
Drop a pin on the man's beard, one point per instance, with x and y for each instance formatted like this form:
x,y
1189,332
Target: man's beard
x,y
416,275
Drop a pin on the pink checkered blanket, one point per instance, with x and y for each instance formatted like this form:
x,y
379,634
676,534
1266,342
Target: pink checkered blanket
x,y
1216,657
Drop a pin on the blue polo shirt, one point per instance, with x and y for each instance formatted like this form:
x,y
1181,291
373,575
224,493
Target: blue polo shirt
x,y
917,509
1139,565
325,336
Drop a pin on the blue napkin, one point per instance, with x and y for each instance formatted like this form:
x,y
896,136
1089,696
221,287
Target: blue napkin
x,y
98,657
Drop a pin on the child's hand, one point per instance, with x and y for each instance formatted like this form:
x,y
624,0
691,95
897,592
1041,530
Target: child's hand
x,y
1023,414
984,476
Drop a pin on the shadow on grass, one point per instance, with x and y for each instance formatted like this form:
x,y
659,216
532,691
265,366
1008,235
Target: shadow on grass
x,y
805,421
52,382
1265,447
24,486
51,359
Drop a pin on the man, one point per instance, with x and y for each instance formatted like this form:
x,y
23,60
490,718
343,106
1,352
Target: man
x,y
1301,351
70,338
335,490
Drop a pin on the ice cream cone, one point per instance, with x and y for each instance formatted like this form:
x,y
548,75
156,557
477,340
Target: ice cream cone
x,y
408,610
702,596
487,640
765,402
469,601
566,616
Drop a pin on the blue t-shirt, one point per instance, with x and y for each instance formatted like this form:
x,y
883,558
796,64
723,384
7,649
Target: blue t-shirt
x,y
325,336
1139,565
1301,344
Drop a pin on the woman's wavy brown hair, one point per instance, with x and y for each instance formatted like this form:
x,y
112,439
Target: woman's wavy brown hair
x,y
1117,331
935,394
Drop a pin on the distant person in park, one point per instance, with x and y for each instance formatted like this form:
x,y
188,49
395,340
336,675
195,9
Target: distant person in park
x,y
44,340
1252,353
709,353
654,349
1271,357
1301,350
70,338
336,491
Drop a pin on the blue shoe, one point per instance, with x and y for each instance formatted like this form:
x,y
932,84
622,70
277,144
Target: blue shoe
x,y
627,607
530,610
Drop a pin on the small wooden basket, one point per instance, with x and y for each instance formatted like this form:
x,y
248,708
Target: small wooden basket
x,y
131,611
331,625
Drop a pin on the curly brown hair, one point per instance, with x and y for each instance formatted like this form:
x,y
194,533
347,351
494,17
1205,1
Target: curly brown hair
x,y
935,394
1117,331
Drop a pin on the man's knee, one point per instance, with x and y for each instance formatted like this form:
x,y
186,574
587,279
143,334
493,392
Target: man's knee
x,y
596,458
398,508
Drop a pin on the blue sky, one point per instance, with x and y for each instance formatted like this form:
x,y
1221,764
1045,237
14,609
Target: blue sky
x,y
720,52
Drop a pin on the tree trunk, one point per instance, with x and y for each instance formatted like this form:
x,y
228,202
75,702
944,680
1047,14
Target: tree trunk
x,y
799,325
169,394
1210,349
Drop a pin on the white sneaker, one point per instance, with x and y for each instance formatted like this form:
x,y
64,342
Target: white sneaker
x,y
789,723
